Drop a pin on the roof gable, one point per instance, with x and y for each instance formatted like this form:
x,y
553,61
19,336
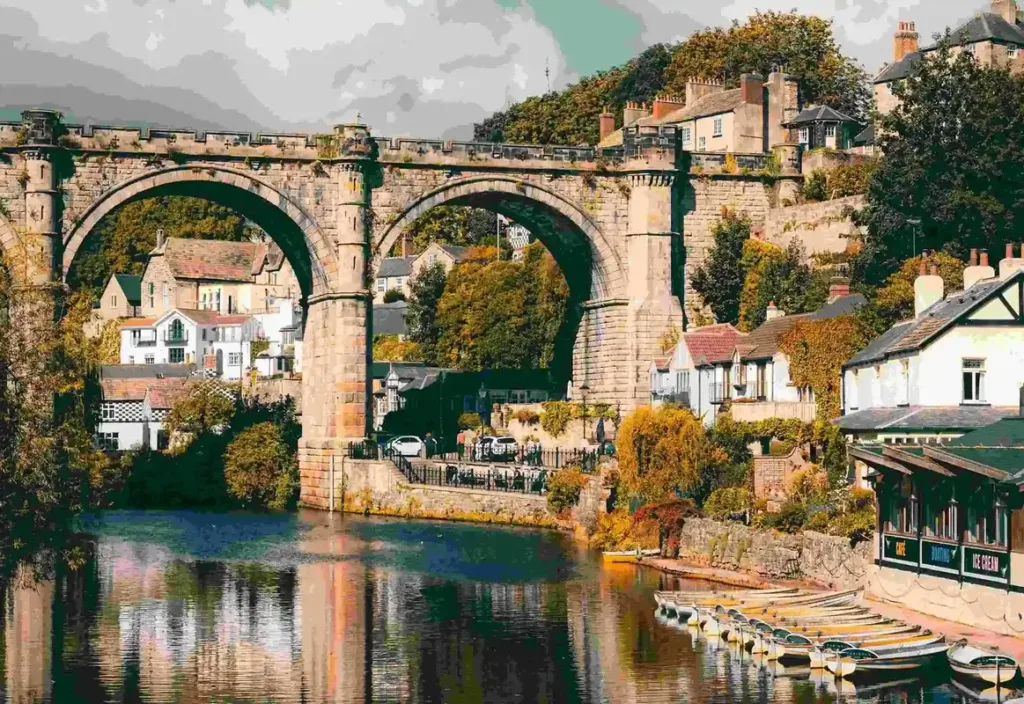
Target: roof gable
x,y
395,266
820,113
131,287
210,260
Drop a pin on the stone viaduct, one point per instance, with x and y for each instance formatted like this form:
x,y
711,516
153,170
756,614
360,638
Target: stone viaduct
x,y
627,225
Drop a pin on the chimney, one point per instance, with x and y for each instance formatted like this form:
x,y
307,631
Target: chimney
x,y
633,112
905,40
984,257
973,261
666,104
161,238
1010,264
405,246
928,290
838,287
1007,9
978,269
773,313
607,123
783,106
697,88
752,88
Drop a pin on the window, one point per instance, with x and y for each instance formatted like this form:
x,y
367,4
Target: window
x,y
107,411
686,135
431,260
1011,51
974,380
202,305
830,130
167,295
176,355
969,49
382,285
903,507
107,441
113,300
702,143
230,306
162,440
718,127
987,518
683,381
152,297
941,512
131,360
204,334
218,301
517,396
805,135
235,359
762,381
150,359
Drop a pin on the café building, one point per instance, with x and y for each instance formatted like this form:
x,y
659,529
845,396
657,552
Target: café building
x,y
950,528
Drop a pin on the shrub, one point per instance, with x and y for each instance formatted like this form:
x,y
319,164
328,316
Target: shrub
x,y
527,417
618,531
790,519
819,521
669,516
259,470
564,489
470,421
807,484
856,525
815,186
393,295
556,417
724,502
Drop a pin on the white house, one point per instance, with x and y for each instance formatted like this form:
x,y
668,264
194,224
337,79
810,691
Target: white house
x,y
219,344
687,375
278,329
132,411
958,365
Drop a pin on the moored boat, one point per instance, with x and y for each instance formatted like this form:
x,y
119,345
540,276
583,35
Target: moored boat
x,y
627,555
818,653
863,661
990,666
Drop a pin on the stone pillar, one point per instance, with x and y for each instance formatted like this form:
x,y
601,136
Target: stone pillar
x,y
790,159
41,237
336,392
653,241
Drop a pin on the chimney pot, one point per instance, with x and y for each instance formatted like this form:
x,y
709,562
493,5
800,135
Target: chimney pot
x,y
1009,250
922,269
973,261
606,123
934,270
984,257
905,41
161,238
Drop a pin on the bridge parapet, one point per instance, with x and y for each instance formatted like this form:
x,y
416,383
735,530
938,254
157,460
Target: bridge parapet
x,y
730,163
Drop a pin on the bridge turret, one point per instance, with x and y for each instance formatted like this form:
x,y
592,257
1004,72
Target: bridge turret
x,y
41,130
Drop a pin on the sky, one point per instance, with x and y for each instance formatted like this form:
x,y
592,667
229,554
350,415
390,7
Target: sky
x,y
427,68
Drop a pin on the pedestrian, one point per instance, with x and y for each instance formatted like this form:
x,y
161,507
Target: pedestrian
x,y
460,443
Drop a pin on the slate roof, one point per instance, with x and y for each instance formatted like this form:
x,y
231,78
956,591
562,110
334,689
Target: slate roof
x,y
765,339
143,371
456,251
898,69
267,256
395,266
843,305
131,286
713,104
389,318
820,113
1008,432
912,335
710,344
212,260
985,26
866,137
925,418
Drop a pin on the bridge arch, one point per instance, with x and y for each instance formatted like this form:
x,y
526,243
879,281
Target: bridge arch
x,y
591,265
294,230
8,236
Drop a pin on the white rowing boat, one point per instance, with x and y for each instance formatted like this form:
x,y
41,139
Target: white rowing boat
x,y
862,661
818,653
989,666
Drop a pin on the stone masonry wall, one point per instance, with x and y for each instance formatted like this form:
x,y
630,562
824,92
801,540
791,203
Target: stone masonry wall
x,y
824,559
821,227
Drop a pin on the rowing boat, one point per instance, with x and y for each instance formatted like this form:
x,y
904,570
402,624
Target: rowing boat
x,y
732,625
668,600
764,636
818,653
864,661
795,645
704,616
628,555
989,666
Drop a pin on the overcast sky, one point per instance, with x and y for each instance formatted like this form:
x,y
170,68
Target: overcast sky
x,y
408,67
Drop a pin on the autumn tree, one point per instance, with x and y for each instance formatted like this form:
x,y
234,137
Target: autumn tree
x,y
773,274
663,452
458,225
206,406
952,175
389,348
259,468
894,300
120,241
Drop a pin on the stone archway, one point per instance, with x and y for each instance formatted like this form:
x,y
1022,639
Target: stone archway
x,y
520,200
281,217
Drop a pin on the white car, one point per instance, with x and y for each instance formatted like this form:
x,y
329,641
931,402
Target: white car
x,y
405,446
483,445
504,447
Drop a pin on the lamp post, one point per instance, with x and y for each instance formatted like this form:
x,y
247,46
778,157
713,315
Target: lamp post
x,y
916,223
584,388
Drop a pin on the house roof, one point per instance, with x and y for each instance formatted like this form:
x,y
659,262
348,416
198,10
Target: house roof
x,y
131,287
912,335
844,305
821,113
898,69
164,396
925,418
389,318
711,343
208,317
138,323
162,392
713,104
662,363
143,371
765,339
212,260
865,137
267,256
395,266
985,26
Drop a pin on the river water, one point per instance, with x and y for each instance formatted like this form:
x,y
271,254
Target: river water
x,y
201,607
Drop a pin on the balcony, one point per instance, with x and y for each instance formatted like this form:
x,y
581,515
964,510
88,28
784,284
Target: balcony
x,y
718,393
176,338
136,342
753,411
678,398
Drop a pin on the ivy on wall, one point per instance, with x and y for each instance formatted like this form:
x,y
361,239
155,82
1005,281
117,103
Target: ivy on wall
x,y
817,350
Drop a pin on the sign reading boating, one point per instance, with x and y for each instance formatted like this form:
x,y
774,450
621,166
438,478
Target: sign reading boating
x,y
901,549
986,563
941,555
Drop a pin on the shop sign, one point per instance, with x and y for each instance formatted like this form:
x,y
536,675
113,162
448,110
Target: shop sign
x,y
989,564
943,556
900,549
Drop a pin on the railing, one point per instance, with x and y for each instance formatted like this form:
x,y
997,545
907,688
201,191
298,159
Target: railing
x,y
585,460
143,343
718,393
679,398
176,338
520,481
716,162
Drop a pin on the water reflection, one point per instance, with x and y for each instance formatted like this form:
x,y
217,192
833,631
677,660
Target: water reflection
x,y
212,607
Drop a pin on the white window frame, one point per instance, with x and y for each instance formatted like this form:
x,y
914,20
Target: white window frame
x,y
830,130
1011,51
174,351
686,135
234,359
717,126
805,135
702,143
150,359
975,367
382,284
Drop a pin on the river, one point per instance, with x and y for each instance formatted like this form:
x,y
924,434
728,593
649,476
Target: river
x,y
313,608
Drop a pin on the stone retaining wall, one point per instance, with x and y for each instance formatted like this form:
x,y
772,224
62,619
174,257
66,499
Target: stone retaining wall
x,y
824,559
820,227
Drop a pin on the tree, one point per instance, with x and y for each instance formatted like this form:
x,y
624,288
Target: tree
x,y
393,295
259,469
817,349
954,160
663,452
389,348
719,281
108,343
805,45
122,239
458,225
48,398
773,274
426,290
208,406
894,301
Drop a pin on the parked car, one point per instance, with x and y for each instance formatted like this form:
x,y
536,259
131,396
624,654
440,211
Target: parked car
x,y
405,445
483,445
504,446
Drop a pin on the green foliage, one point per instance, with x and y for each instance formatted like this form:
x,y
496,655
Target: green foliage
x,y
470,421
564,488
723,503
954,155
259,469
390,348
840,181
121,240
555,418
455,225
791,517
206,407
719,281
817,349
393,295
501,314
426,289
894,301
804,45
815,186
